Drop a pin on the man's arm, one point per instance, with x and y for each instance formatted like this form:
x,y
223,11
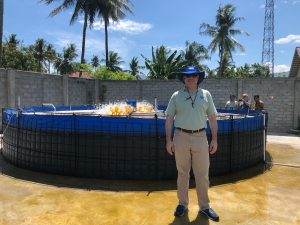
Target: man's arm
x,y
247,103
169,142
214,134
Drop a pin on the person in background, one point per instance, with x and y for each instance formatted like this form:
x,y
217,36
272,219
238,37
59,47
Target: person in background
x,y
189,108
244,102
258,104
232,103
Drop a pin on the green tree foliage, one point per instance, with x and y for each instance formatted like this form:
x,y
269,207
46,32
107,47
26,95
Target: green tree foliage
x,y
65,62
134,67
223,34
79,67
103,73
38,50
164,63
247,71
95,62
15,56
194,53
50,57
114,62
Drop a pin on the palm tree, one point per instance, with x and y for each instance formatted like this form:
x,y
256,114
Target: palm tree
x,y
194,53
223,34
50,56
39,52
1,28
65,62
114,61
164,63
114,10
12,42
86,7
95,62
134,66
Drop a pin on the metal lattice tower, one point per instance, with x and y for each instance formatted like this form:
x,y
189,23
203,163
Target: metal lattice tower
x,y
268,41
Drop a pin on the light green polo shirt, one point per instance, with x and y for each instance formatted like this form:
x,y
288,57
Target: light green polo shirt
x,y
187,117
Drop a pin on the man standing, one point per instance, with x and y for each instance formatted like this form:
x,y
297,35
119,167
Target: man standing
x,y
232,104
258,104
244,103
189,108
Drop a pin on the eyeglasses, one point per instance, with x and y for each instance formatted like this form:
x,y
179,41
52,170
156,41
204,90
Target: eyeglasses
x,y
193,76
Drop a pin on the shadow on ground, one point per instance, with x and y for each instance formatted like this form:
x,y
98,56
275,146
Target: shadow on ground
x,y
199,220
10,170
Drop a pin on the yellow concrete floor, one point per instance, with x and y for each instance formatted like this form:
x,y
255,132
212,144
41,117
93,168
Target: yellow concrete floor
x,y
261,195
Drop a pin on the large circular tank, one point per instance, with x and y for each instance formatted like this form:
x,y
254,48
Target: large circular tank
x,y
79,141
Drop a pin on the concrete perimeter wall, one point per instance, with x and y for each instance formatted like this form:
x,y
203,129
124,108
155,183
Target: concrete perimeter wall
x,y
33,89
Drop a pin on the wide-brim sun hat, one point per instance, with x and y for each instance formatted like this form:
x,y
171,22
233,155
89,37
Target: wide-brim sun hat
x,y
192,70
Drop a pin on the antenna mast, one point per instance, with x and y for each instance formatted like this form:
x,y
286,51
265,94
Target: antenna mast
x,y
268,41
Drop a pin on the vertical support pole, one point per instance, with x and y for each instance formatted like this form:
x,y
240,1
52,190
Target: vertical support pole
x,y
140,85
232,144
96,97
11,88
19,113
296,120
66,89
239,88
75,144
156,147
264,137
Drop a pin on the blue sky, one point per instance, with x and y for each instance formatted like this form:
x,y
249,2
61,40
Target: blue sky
x,y
159,22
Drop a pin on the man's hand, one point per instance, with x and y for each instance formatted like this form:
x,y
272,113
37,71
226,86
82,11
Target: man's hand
x,y
213,146
170,147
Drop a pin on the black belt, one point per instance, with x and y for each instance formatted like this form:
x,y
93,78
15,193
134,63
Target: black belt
x,y
190,131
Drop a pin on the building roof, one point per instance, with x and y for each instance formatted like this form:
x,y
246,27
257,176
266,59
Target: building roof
x,y
86,75
295,67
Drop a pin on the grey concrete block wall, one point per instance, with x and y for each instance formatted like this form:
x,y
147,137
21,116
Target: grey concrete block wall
x,y
52,90
29,89
278,95
77,91
36,88
119,90
90,92
220,89
162,90
3,92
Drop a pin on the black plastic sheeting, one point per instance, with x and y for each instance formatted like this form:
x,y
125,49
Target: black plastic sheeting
x,y
120,155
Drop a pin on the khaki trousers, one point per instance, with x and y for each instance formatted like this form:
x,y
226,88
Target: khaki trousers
x,y
192,150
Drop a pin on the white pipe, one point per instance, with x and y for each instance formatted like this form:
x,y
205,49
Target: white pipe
x,y
49,104
19,101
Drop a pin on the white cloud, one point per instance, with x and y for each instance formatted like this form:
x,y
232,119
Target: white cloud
x,y
175,48
63,39
127,26
240,54
262,6
290,1
281,68
291,38
93,46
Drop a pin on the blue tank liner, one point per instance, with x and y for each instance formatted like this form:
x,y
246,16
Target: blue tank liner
x,y
94,123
